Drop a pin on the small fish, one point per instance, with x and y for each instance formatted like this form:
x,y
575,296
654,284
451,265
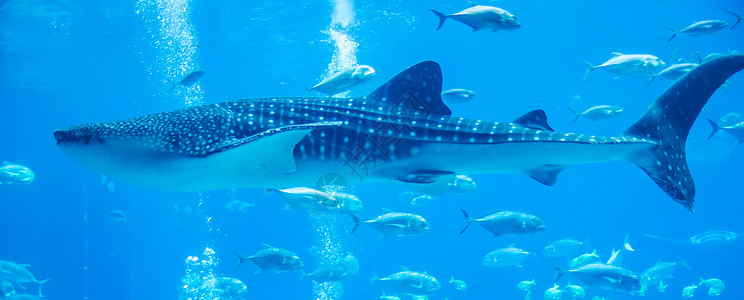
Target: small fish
x,y
506,222
118,216
715,286
394,223
660,271
628,64
308,199
735,130
525,285
462,184
563,247
605,276
700,28
504,257
423,200
327,273
273,259
18,274
584,259
239,206
597,112
673,72
344,80
12,173
553,293
458,95
458,284
689,291
574,291
408,282
227,287
190,79
388,297
482,17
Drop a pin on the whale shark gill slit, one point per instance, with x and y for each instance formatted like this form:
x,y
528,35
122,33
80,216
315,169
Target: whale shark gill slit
x,y
401,133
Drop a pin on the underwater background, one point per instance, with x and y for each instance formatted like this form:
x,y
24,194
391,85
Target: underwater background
x,y
72,62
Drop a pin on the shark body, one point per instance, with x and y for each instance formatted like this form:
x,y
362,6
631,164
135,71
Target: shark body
x,y
402,133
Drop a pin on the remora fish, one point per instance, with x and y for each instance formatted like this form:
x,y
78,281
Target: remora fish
x,y
286,142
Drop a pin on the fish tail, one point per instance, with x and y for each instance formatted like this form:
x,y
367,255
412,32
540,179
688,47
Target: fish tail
x,y
576,115
241,259
590,68
684,264
558,274
674,33
653,76
468,220
356,224
626,243
172,87
41,283
715,126
442,18
303,275
668,120
738,19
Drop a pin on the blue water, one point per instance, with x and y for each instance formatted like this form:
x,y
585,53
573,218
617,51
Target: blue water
x,y
72,62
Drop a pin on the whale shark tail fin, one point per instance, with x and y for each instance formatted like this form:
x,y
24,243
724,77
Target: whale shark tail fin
x,y
668,120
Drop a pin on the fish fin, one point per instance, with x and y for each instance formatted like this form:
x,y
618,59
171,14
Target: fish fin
x,y
610,279
653,76
715,126
41,283
442,18
590,68
267,246
546,174
535,119
452,279
576,114
172,87
616,54
559,273
738,19
668,120
626,243
415,92
241,259
684,264
356,224
468,220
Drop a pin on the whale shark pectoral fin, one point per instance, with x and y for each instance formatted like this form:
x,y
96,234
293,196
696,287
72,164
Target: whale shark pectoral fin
x,y
546,174
272,149
535,119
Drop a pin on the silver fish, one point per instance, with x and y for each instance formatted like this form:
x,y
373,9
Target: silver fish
x,y
627,64
506,222
700,28
273,259
482,17
396,224
344,80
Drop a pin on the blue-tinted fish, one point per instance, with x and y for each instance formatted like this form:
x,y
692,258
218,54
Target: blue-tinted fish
x,y
190,79
506,222
673,72
605,276
401,133
458,95
735,130
700,28
344,80
482,17
598,112
12,173
394,223
408,283
273,259
627,64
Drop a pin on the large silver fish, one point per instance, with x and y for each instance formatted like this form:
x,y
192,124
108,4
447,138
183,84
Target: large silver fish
x,y
401,133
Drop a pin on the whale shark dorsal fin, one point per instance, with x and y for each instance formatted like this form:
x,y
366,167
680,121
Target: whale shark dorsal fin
x,y
546,174
416,90
535,119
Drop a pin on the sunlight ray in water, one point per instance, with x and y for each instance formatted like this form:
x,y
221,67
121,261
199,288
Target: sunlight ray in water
x,y
330,238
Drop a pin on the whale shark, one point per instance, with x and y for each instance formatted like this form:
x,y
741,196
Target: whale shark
x,y
400,133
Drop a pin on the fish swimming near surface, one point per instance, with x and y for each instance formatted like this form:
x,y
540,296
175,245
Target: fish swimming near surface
x,y
482,17
190,79
700,28
401,133
627,64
